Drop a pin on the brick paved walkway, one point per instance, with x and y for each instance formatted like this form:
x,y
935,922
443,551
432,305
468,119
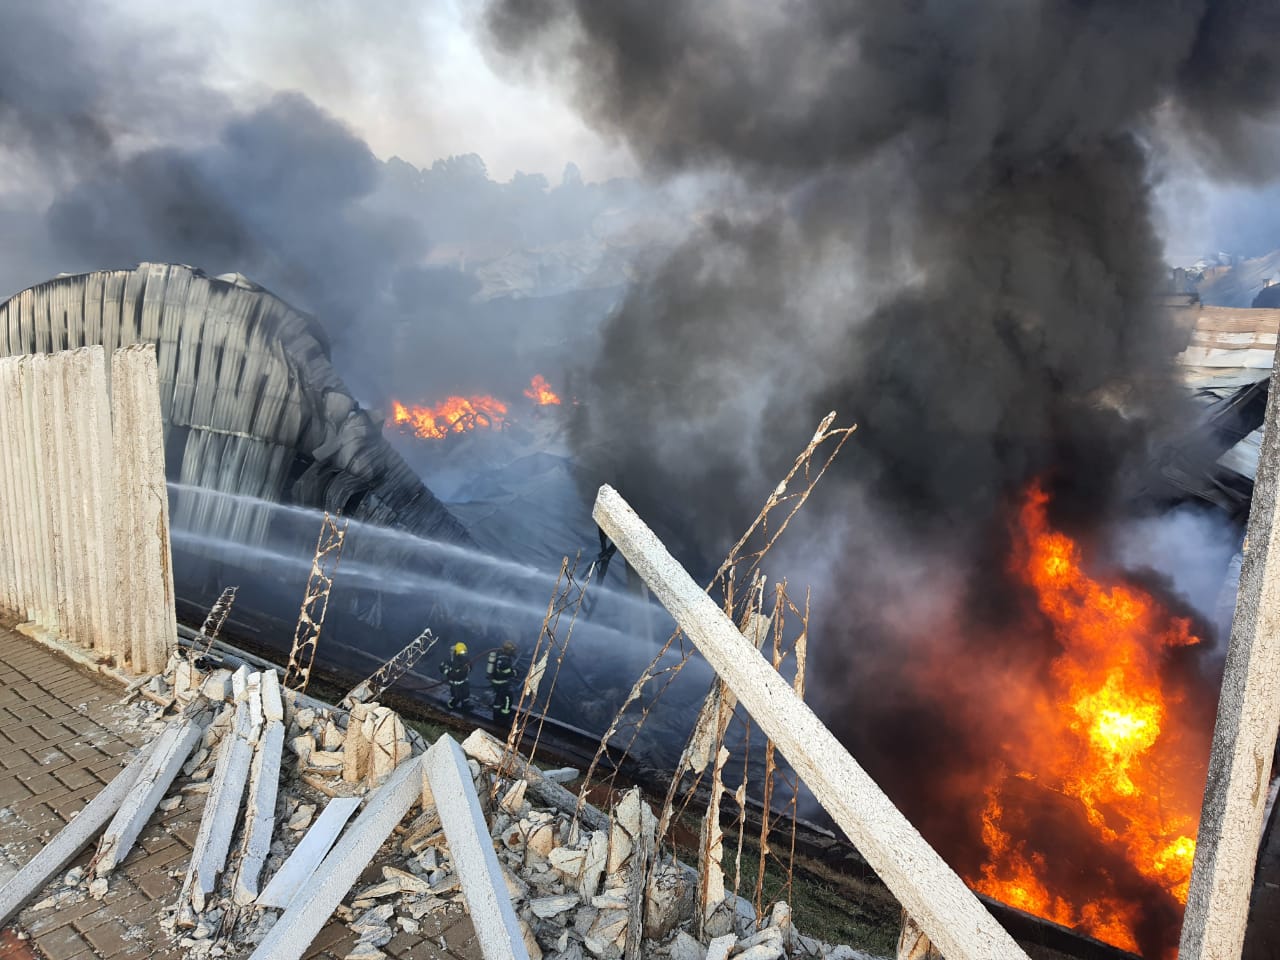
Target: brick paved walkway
x,y
63,736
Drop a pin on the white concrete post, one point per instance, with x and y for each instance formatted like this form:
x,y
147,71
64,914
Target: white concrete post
x,y
169,751
448,779
142,529
46,427
221,808
12,596
92,421
929,890
260,814
311,908
1244,736
296,871
65,384
21,466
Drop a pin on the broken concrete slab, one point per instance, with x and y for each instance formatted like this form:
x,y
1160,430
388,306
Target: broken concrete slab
x,y
74,837
297,870
719,948
513,800
594,862
389,745
311,908
222,809
546,907
490,751
171,750
272,705
357,744
260,817
448,778
669,898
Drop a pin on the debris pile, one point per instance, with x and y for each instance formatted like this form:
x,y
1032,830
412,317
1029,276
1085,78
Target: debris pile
x,y
283,776
605,892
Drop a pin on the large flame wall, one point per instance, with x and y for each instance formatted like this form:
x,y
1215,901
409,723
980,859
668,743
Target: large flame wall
x,y
1103,738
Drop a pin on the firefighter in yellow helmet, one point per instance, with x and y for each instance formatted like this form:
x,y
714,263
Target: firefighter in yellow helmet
x,y
456,671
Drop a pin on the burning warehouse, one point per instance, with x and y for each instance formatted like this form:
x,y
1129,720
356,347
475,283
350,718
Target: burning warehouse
x,y
1009,599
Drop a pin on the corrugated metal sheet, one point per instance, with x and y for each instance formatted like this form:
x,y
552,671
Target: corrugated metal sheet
x,y
247,386
1230,349
1230,337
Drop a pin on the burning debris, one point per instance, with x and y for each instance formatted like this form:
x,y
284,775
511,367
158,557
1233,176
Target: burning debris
x,y
540,392
1105,730
453,415
462,414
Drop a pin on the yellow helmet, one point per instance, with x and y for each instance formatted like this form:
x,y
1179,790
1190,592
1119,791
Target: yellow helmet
x,y
460,649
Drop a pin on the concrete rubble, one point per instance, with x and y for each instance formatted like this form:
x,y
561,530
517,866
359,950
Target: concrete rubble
x,y
282,778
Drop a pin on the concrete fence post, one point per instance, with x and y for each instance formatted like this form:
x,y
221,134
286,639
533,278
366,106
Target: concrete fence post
x,y
142,506
1244,736
37,448
12,595
93,419
84,509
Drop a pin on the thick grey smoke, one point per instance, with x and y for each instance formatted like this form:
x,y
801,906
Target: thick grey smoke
x,y
992,154
124,152
942,228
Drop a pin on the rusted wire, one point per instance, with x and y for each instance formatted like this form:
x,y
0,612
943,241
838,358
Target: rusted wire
x,y
315,602
212,625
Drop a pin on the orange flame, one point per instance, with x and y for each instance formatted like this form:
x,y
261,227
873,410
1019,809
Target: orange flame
x,y
1102,733
460,414
454,415
540,392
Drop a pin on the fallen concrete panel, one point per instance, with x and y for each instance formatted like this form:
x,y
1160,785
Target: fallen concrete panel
x,y
487,749
73,838
471,849
222,809
272,707
1244,735
170,752
264,783
311,908
930,891
306,856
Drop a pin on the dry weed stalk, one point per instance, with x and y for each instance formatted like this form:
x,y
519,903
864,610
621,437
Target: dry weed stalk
x,y
707,738
567,596
799,650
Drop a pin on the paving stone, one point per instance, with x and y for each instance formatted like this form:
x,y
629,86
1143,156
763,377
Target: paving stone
x,y
107,939
83,749
63,944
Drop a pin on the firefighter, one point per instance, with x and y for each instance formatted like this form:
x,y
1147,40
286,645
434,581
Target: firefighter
x,y
501,671
457,673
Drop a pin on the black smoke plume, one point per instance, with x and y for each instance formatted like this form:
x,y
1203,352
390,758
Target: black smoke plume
x,y
992,156
125,151
937,220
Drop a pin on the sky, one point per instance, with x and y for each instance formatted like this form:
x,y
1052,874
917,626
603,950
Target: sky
x,y
418,81
413,80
